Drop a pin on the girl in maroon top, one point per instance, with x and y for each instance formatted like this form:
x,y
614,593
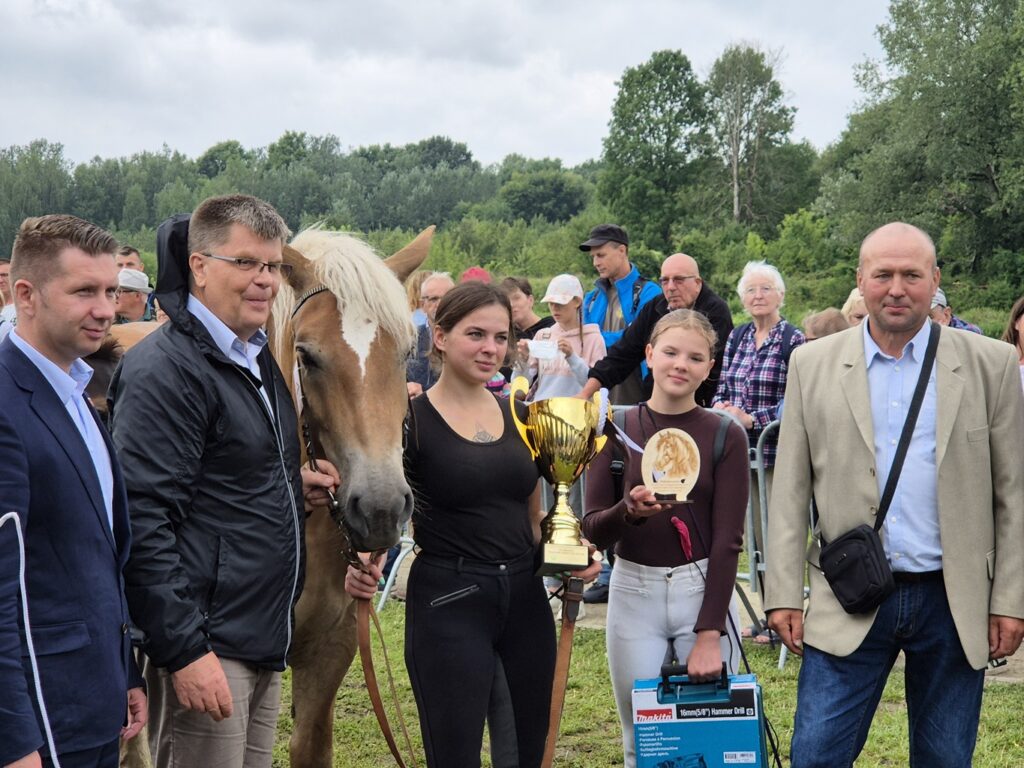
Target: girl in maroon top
x,y
672,585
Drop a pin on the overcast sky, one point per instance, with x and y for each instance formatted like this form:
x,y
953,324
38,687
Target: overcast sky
x,y
536,77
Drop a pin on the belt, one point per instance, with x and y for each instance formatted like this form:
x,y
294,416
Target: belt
x,y
916,577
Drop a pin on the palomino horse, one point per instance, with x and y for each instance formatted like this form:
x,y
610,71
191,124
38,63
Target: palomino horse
x,y
350,342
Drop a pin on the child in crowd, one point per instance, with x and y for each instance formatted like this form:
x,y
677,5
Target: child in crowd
x,y
559,359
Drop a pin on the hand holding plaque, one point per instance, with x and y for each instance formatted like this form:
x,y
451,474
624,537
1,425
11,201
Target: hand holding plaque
x,y
561,433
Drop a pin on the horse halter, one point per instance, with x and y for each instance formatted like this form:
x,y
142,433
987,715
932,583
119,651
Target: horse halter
x,y
348,550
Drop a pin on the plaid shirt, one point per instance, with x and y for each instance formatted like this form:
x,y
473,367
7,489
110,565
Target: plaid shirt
x,y
963,325
754,380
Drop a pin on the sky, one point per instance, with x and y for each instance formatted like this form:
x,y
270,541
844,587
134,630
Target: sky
x,y
534,77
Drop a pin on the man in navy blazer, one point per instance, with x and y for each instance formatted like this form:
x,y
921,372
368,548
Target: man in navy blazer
x,y
59,473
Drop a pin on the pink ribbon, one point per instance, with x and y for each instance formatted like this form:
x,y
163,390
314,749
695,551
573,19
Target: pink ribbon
x,y
684,537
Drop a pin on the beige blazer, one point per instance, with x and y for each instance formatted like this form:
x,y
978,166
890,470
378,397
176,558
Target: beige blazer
x,y
827,444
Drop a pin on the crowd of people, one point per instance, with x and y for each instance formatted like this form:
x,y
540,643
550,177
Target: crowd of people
x,y
184,523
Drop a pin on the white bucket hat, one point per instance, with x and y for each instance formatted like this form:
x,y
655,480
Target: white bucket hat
x,y
563,289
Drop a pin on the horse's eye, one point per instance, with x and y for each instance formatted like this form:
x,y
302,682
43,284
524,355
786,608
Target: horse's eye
x,y
307,358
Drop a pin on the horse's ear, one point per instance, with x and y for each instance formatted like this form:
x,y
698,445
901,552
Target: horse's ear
x,y
301,279
406,261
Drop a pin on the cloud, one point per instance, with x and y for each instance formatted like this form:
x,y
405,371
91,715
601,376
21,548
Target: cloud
x,y
112,77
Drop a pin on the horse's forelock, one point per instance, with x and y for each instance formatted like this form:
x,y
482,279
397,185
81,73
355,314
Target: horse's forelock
x,y
357,276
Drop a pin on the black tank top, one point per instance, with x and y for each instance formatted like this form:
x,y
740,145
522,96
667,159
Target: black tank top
x,y
471,498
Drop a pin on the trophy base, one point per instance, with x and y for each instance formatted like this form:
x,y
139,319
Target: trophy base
x,y
558,558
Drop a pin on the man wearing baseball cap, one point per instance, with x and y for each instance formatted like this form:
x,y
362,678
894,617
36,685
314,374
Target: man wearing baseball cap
x,y
942,313
133,296
618,295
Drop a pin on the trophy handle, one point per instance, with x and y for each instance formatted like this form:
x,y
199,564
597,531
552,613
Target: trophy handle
x,y
520,385
600,440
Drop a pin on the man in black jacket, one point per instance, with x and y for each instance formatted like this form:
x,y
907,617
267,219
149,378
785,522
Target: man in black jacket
x,y
682,288
206,430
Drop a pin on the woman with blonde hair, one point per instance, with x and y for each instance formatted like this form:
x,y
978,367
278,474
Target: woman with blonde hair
x,y
854,309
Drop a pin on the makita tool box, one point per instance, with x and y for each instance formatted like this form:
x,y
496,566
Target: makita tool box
x,y
678,724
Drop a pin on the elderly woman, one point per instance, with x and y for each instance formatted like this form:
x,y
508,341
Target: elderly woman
x,y
854,310
753,379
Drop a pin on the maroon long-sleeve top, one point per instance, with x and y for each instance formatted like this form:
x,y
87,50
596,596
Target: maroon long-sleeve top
x,y
715,517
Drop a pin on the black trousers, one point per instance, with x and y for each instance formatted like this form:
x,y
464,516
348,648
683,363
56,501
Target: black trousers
x,y
460,616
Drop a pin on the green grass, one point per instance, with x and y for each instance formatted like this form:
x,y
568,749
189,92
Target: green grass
x,y
590,726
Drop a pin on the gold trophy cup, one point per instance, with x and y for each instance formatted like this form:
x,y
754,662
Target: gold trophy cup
x,y
561,433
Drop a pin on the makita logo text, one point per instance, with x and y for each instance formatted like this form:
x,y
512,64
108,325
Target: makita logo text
x,y
653,715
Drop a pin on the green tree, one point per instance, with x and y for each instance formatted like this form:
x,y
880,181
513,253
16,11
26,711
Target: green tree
x,y
748,118
656,140
939,143
136,213
34,180
292,147
550,195
214,161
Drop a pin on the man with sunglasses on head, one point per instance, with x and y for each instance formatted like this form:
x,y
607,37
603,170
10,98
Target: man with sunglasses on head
x,y
206,429
682,288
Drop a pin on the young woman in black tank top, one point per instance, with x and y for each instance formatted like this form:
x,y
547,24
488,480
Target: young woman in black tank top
x,y
473,596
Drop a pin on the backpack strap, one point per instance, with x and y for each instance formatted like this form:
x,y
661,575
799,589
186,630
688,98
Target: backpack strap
x,y
638,288
720,434
618,463
788,331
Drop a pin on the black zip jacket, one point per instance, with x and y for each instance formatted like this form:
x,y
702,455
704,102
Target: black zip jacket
x,y
627,353
214,490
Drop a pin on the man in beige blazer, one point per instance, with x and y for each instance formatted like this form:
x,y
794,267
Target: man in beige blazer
x,y
954,533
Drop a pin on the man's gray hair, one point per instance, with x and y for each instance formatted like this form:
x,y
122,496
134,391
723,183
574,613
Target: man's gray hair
x,y
210,224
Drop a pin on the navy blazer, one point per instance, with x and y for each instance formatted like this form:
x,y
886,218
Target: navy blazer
x,y
74,568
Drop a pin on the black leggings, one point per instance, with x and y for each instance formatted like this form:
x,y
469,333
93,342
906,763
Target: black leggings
x,y
459,615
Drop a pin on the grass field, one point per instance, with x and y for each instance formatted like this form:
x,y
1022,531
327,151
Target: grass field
x,y
590,727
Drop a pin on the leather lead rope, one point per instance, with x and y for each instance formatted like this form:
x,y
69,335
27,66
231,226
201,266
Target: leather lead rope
x,y
571,598
364,609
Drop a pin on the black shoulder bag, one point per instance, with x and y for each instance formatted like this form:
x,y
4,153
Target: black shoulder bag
x,y
854,564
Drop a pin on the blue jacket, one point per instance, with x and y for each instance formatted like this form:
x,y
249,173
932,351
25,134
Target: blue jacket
x,y
74,569
631,299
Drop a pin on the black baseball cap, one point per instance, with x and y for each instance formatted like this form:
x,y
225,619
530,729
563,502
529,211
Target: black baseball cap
x,y
602,233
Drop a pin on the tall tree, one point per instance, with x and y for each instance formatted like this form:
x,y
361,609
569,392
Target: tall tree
x,y
748,118
939,143
656,139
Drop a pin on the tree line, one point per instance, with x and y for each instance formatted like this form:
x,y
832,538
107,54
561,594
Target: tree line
x,y
702,164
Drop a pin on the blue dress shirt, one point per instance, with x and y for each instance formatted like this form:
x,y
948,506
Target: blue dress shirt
x,y
240,352
70,390
911,527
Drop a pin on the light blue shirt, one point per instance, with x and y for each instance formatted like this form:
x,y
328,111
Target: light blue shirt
x,y
911,527
70,390
240,352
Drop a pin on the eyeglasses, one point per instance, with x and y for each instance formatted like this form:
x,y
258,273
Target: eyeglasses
x,y
430,299
275,268
755,289
676,279
122,291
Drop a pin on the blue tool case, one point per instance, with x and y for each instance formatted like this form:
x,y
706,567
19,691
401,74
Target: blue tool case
x,y
679,724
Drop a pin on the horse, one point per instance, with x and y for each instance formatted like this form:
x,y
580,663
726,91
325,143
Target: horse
x,y
340,330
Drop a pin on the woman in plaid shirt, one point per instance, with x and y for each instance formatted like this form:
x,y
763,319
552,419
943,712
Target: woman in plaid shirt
x,y
753,379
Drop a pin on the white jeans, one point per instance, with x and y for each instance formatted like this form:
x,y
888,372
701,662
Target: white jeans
x,y
649,608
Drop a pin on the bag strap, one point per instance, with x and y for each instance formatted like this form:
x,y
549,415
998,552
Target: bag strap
x,y
908,426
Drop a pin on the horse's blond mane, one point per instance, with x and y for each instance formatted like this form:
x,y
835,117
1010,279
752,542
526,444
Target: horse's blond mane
x,y
357,276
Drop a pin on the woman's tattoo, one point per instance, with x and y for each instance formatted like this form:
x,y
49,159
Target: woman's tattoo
x,y
482,435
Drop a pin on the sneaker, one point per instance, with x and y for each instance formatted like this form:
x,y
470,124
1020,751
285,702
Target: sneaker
x,y
596,594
